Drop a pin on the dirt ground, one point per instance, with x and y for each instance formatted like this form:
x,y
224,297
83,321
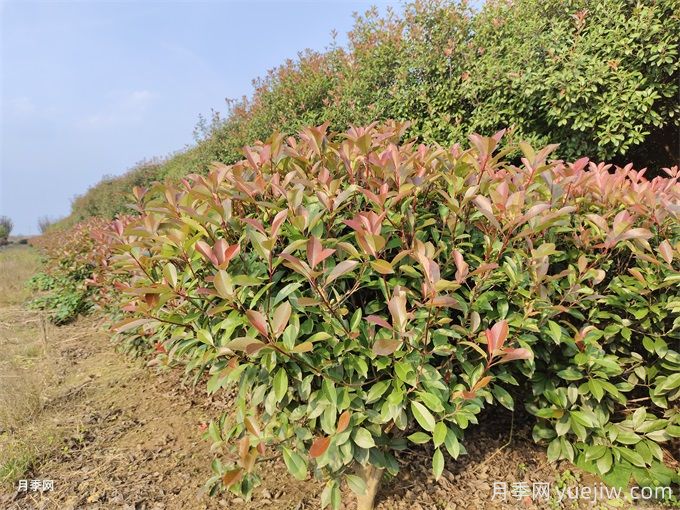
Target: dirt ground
x,y
112,433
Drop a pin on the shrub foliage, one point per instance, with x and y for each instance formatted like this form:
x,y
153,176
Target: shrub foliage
x,y
365,293
599,77
74,258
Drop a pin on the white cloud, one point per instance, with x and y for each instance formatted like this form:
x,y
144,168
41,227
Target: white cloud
x,y
22,106
126,108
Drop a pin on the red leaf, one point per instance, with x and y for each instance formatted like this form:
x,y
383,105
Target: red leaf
x,y
340,269
397,307
224,252
385,346
258,321
231,477
515,354
484,206
319,446
151,299
484,268
482,383
243,447
249,461
218,250
257,224
343,422
496,336
666,251
278,221
281,318
315,252
254,347
205,250
462,268
297,265
231,252
251,426
374,319
443,301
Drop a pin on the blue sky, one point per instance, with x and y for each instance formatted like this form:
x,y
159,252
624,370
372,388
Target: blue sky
x,y
91,88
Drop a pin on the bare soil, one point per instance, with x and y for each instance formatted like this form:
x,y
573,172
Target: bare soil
x,y
112,433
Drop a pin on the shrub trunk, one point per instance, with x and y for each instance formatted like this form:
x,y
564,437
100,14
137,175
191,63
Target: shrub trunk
x,y
371,476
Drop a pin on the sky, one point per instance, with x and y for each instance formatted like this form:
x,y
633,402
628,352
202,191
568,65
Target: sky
x,y
90,88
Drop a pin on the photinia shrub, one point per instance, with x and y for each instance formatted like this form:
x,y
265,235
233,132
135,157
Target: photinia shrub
x,y
74,257
601,77
364,294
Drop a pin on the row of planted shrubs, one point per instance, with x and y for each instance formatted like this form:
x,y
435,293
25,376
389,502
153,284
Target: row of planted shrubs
x,y
366,294
602,77
74,257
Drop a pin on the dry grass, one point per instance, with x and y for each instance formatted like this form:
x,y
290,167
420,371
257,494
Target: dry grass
x,y
24,375
17,264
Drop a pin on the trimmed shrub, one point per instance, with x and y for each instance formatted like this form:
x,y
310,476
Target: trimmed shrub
x,y
364,293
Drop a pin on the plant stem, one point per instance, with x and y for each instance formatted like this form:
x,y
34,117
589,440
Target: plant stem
x,y
371,476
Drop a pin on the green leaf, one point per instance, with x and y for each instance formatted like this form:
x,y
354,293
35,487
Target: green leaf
x,y
329,391
326,493
241,343
452,444
596,389
440,431
280,384
382,266
423,416
285,292
627,436
363,438
170,274
631,456
431,401
437,464
223,284
604,463
503,397
563,425
570,374
356,484
377,391
405,372
671,382
204,336
297,466
582,418
555,331
419,437
554,450
595,452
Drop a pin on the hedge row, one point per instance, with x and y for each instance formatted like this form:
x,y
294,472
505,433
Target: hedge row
x,y
365,294
599,77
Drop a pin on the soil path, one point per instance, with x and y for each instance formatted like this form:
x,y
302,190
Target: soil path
x,y
112,433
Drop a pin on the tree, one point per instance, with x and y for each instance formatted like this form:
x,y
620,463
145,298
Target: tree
x,y
6,226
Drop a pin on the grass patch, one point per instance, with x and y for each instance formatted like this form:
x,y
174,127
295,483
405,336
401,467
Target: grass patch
x,y
17,265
